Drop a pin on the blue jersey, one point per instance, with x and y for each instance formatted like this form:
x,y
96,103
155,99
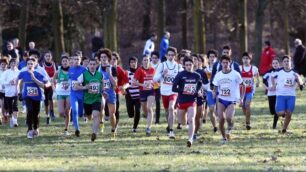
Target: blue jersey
x,y
108,86
30,88
22,64
187,84
73,74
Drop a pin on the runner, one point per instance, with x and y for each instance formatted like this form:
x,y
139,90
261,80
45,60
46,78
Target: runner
x,y
110,83
132,94
155,62
61,80
10,81
31,83
93,82
210,100
144,79
165,74
50,68
284,82
3,64
76,96
226,83
248,74
85,62
267,80
188,84
198,68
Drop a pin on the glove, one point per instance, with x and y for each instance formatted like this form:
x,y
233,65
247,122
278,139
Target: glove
x,y
301,87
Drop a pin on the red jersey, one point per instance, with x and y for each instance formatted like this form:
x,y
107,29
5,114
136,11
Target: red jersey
x,y
248,79
122,78
145,76
50,70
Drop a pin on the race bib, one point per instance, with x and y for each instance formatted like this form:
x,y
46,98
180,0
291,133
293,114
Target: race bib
x,y
106,84
148,85
225,89
94,88
248,82
168,79
189,89
289,82
65,85
32,91
74,83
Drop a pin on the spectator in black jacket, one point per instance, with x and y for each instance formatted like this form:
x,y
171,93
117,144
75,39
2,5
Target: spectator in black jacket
x,y
299,58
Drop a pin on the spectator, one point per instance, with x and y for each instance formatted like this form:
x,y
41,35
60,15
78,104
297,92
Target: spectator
x,y
10,51
32,49
150,45
299,58
164,45
96,43
266,58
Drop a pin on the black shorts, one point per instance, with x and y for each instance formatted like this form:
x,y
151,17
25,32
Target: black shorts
x,y
2,95
91,107
10,104
48,95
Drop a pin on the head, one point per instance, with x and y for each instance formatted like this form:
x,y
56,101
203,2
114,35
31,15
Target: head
x,y
155,57
71,62
167,35
25,55
31,62
115,59
212,56
15,42
146,61
85,61
35,57
246,59
105,56
32,45
297,42
133,62
267,44
225,62
275,63
153,37
12,63
202,60
181,58
188,64
92,65
195,58
286,62
226,50
171,53
76,60
3,63
10,46
48,57
65,61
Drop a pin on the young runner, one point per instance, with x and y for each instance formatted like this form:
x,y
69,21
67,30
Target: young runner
x,y
227,83
76,96
155,62
50,68
61,80
144,79
3,64
284,82
31,82
165,74
267,80
188,84
10,81
93,83
85,62
210,100
110,83
132,94
248,74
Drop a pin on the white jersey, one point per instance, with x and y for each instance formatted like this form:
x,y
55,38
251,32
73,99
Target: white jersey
x,y
208,72
10,79
228,85
166,81
1,81
286,82
268,76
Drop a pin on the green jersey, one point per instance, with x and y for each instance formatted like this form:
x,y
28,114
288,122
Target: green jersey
x,y
94,92
62,84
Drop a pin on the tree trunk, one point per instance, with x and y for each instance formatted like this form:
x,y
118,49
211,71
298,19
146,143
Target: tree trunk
x,y
286,26
243,27
198,27
110,25
24,15
58,28
161,19
262,4
202,36
146,29
184,24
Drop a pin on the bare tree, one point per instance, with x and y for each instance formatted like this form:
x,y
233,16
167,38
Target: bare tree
x,y
24,15
184,21
58,28
198,26
161,18
243,26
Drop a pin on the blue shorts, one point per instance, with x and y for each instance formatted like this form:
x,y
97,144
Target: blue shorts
x,y
210,100
111,98
144,94
285,103
248,96
226,103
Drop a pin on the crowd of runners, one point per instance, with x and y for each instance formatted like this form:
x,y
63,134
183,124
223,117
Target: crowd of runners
x,y
191,86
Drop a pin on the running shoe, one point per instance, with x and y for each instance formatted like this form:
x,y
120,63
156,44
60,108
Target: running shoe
x,y
93,137
148,132
77,133
171,135
30,134
189,143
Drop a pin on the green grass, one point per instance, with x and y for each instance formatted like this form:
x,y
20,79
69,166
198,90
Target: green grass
x,y
261,149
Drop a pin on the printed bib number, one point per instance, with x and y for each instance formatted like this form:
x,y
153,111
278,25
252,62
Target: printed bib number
x,y
225,89
64,85
106,84
168,80
248,82
74,83
189,89
148,85
32,91
289,82
94,88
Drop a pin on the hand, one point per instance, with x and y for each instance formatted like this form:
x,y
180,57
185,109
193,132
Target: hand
x,y
105,95
108,70
301,87
273,88
241,103
200,93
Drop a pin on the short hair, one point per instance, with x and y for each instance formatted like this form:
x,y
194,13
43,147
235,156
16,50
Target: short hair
x,y
268,43
12,61
34,56
4,60
32,59
65,55
173,49
116,54
248,55
286,57
225,57
85,58
187,59
226,47
155,53
195,55
202,57
212,51
105,51
92,60
133,58
153,35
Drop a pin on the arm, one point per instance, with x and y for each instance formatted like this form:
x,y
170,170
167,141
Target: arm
x,y
176,82
159,72
38,82
81,86
112,76
299,81
242,94
213,73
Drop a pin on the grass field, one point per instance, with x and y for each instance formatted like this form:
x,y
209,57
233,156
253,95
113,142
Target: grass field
x,y
260,149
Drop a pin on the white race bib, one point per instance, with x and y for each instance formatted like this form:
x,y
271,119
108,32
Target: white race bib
x,y
64,85
32,91
106,84
148,85
74,83
248,82
189,89
94,88
225,89
168,79
289,82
